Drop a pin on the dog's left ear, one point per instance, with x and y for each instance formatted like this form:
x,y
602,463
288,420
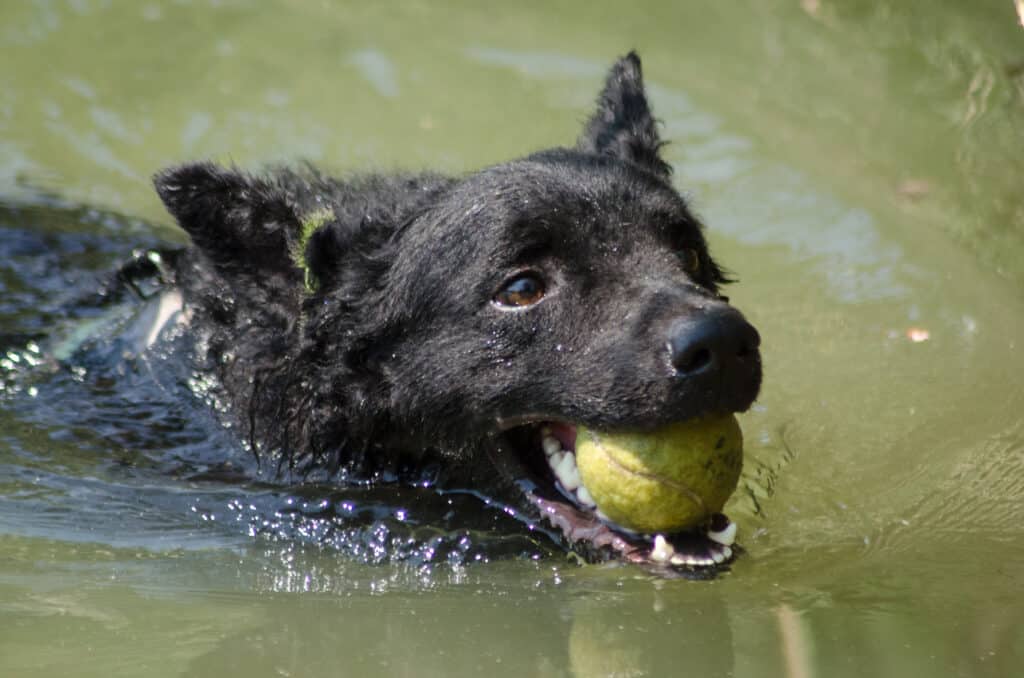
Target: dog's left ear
x,y
245,224
622,126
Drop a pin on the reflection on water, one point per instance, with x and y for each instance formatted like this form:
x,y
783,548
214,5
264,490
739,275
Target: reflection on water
x,y
378,70
841,243
857,165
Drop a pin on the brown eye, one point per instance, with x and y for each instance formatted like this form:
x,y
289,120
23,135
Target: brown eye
x,y
691,260
522,290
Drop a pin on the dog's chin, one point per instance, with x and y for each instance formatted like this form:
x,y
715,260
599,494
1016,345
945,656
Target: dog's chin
x,y
539,456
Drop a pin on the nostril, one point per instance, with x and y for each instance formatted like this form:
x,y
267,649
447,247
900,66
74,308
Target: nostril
x,y
695,347
717,340
693,360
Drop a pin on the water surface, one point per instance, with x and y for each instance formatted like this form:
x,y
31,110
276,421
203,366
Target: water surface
x,y
858,165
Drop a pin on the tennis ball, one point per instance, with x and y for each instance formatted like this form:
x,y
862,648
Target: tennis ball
x,y
665,480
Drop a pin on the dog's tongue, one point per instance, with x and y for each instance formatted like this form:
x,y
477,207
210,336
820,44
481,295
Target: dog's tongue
x,y
566,435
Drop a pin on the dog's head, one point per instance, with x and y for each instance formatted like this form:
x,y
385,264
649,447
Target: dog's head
x,y
483,315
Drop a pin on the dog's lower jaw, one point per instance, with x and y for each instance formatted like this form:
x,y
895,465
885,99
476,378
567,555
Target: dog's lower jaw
x,y
695,553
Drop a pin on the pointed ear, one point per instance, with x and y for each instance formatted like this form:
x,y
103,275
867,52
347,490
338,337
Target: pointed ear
x,y
241,222
622,126
339,255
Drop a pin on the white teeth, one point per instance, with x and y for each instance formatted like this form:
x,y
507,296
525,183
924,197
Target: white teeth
x,y
714,557
555,460
726,537
567,472
696,561
563,465
583,494
662,552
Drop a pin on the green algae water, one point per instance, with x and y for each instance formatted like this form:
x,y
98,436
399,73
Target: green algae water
x,y
859,166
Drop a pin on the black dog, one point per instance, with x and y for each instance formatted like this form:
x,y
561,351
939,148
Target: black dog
x,y
385,324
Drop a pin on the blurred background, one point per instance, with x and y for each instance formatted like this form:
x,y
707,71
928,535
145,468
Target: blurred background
x,y
859,167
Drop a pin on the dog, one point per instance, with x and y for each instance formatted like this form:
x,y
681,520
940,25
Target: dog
x,y
376,326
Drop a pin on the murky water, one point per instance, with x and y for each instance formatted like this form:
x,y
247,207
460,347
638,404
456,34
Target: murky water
x,y
859,165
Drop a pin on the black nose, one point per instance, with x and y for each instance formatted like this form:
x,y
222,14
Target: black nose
x,y
713,340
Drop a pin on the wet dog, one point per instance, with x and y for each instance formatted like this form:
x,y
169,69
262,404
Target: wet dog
x,y
385,324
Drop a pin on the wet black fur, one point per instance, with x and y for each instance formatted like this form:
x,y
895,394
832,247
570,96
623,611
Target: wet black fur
x,y
398,354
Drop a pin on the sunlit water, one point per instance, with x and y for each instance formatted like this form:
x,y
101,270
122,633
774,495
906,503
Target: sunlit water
x,y
859,169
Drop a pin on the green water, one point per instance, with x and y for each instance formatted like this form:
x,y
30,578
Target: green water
x,y
859,165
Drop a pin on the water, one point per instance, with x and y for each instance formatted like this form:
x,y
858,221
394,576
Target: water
x,y
858,166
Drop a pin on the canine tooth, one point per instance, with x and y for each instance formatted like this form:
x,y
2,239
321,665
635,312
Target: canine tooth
x,y
662,552
567,472
727,552
555,460
726,536
551,445
583,494
717,556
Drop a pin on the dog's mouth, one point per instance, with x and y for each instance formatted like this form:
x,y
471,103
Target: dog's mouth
x,y
540,457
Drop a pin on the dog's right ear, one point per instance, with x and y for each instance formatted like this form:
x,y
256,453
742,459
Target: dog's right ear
x,y
243,223
622,126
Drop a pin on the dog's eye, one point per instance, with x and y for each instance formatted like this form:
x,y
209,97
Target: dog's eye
x,y
690,258
522,290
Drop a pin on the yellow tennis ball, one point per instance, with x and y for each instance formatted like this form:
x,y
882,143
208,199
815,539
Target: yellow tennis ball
x,y
665,480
